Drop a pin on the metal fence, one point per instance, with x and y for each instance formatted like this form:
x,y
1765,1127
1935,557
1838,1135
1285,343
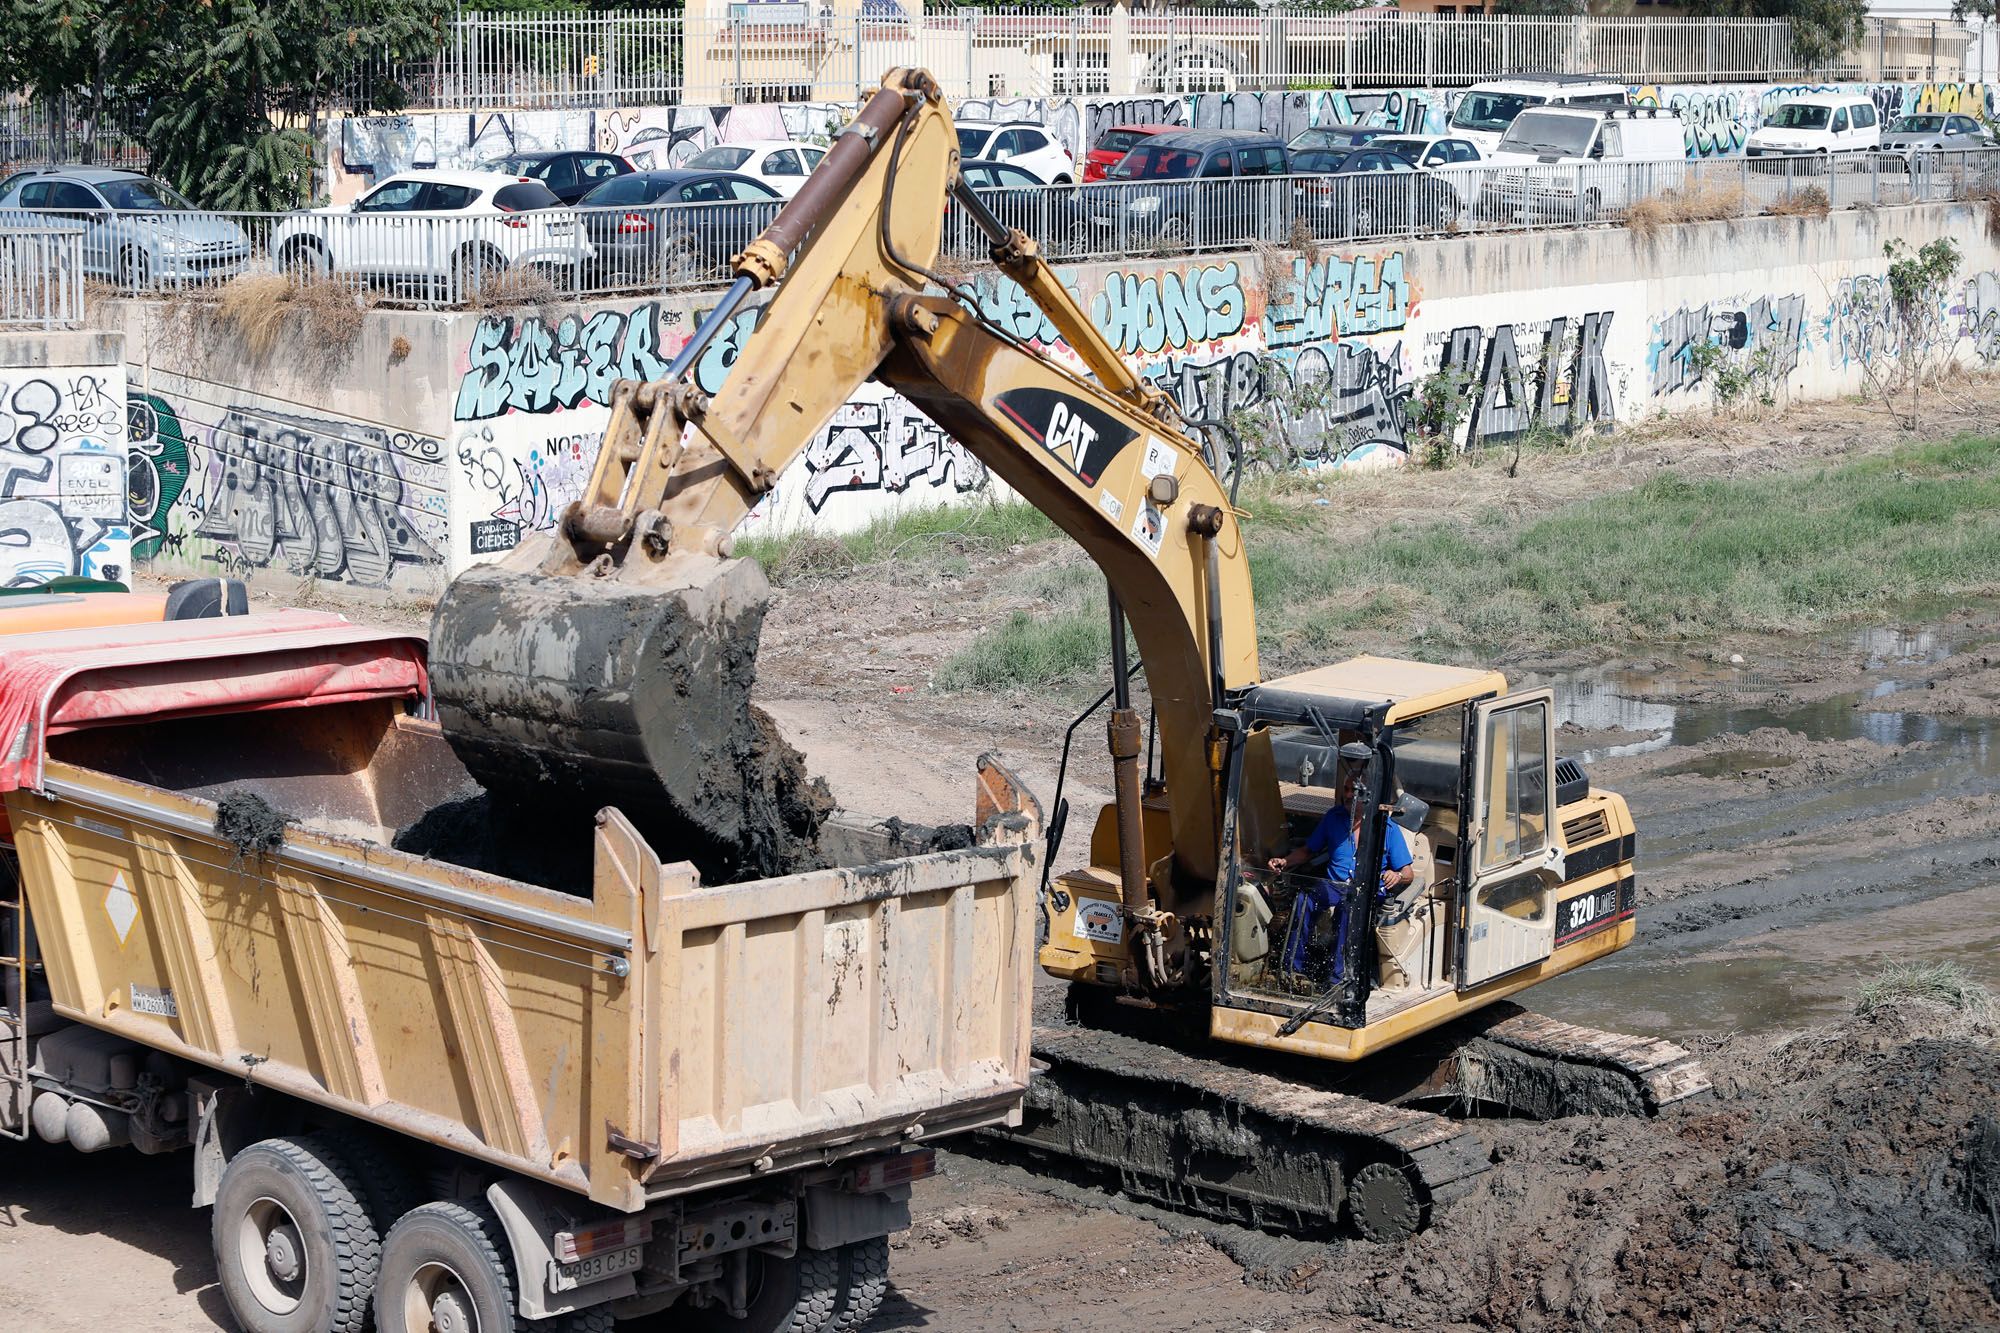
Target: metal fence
x,y
41,275
766,52
64,128
436,260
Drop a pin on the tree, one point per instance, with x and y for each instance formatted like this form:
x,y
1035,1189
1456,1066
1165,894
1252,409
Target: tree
x,y
230,92
1822,30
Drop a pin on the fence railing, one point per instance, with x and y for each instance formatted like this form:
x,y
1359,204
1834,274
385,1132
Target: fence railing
x,y
781,52
41,275
436,260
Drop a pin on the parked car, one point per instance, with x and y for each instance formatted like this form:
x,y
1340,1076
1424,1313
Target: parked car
x,y
138,231
1343,138
1117,141
1429,150
1816,124
1576,163
1484,111
569,175
674,226
779,163
1045,212
448,230
1930,135
1191,187
1022,143
1369,193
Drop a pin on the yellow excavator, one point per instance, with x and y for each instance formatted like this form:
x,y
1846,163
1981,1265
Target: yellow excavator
x,y
1262,1038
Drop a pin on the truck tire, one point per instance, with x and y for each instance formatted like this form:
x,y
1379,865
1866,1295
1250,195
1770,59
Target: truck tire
x,y
796,1295
386,1186
444,1270
295,1248
866,1268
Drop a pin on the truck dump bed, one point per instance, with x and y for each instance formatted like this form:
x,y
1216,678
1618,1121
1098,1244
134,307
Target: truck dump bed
x,y
653,1037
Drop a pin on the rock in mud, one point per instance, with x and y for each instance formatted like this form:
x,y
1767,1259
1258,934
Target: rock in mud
x,y
563,695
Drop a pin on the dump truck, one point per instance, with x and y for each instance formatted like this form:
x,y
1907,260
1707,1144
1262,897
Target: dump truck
x,y
438,1096
1266,1030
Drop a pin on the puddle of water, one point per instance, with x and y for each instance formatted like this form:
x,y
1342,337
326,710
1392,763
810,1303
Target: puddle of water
x,y
1728,763
1790,977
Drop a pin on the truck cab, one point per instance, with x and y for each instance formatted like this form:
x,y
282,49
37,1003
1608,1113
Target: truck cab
x,y
1521,870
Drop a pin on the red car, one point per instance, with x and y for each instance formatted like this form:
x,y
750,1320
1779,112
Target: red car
x,y
1117,141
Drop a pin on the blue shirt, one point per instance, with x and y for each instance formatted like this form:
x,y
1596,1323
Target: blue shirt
x,y
1334,837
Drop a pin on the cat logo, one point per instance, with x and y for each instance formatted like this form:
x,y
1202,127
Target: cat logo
x,y
1085,437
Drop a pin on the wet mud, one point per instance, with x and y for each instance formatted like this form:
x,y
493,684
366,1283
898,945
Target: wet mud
x,y
564,695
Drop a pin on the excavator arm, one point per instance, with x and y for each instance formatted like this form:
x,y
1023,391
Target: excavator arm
x,y
614,654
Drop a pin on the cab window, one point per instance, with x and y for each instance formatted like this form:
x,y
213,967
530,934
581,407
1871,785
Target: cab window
x,y
1268,161
1222,164
1518,769
1840,121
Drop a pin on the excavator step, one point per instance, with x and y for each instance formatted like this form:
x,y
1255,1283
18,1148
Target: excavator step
x,y
1236,1145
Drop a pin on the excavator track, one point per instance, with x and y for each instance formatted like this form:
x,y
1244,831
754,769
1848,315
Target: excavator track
x,y
1236,1145
1197,1131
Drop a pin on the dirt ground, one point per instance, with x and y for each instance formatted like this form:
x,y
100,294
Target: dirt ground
x,y
1810,808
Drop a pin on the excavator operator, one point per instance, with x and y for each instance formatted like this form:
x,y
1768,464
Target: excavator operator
x,y
1336,837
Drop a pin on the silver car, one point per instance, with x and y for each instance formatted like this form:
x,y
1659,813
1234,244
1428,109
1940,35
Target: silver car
x,y
1930,133
137,231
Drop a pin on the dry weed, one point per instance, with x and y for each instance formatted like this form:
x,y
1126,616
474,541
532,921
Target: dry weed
x,y
253,306
1810,202
334,311
525,289
1703,202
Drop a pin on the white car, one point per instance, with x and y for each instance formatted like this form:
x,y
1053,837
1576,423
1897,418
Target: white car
x,y
1483,112
1429,150
1816,124
1576,163
444,229
779,163
1019,143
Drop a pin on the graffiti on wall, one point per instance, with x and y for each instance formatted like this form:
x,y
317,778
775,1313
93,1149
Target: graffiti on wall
x,y
886,445
1765,335
62,485
1551,374
1718,119
1979,315
252,489
372,148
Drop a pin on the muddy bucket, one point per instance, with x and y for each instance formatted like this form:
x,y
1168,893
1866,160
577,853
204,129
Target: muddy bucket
x,y
573,690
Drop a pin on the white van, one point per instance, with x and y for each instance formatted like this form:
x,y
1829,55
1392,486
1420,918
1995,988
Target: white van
x,y
1572,163
1815,123
1485,110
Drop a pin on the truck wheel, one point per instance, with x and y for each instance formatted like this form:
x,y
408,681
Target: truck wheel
x,y
796,1295
295,1249
443,1271
867,1271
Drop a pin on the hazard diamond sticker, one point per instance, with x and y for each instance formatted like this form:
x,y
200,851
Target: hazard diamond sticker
x,y
121,907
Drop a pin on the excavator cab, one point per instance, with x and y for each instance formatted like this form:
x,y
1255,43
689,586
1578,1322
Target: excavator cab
x,y
1374,762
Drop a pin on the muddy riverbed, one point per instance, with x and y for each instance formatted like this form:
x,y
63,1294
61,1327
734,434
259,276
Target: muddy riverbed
x,y
1807,814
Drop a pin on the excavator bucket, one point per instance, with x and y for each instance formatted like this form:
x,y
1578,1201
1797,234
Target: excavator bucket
x,y
609,662
563,695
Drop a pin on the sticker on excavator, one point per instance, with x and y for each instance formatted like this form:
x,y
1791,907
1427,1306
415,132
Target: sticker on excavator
x,y
1111,505
1086,438
1149,528
1590,912
1159,458
1098,920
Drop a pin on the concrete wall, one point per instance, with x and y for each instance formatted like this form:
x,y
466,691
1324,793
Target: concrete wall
x,y
365,149
396,465
62,433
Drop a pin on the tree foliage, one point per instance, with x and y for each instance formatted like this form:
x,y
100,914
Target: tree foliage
x,y
1822,30
229,93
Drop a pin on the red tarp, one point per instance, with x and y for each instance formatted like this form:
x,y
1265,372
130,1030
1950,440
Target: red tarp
x,y
66,680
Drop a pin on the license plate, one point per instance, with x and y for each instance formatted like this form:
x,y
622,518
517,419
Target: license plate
x,y
596,1268
561,228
